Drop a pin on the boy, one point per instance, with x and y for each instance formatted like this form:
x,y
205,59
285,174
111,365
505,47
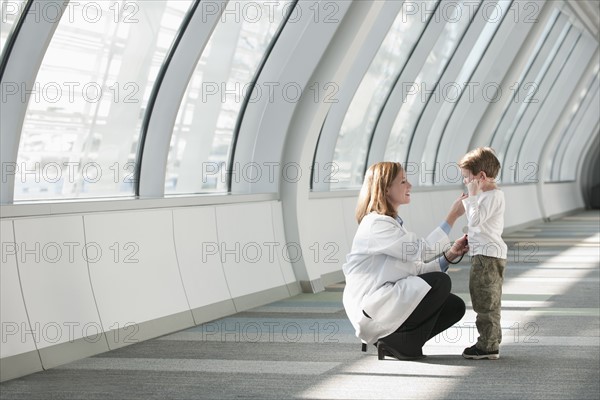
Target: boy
x,y
484,209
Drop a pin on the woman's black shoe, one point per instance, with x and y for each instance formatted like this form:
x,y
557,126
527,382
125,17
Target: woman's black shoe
x,y
385,350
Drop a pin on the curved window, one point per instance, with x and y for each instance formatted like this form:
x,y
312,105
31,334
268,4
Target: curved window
x,y
404,125
455,90
578,140
525,92
558,97
578,115
520,160
205,123
353,141
575,113
80,133
10,11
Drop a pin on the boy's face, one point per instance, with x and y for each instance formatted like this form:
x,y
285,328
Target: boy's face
x,y
467,176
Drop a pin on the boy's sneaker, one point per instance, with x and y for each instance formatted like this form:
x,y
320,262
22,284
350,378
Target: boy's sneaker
x,y
474,353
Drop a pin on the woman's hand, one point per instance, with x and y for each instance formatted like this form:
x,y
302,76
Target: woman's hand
x,y
460,247
456,210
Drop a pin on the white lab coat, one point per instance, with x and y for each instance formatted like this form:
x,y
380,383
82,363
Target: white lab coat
x,y
381,274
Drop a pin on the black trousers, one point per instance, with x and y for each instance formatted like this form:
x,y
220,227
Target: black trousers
x,y
438,311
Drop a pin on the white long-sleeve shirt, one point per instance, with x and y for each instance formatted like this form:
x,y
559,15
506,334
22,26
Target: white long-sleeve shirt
x,y
381,274
485,216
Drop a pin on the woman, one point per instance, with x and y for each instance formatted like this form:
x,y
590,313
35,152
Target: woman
x,y
394,297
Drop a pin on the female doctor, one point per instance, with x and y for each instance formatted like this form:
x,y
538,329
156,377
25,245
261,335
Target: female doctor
x,y
394,297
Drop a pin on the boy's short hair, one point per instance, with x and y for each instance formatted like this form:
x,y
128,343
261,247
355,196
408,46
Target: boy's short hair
x,y
481,159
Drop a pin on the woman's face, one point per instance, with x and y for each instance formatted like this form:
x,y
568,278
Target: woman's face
x,y
399,191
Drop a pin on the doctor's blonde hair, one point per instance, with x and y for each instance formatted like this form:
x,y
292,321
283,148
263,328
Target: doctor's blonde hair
x,y
373,194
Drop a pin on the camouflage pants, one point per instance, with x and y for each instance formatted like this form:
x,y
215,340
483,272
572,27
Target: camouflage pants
x,y
485,286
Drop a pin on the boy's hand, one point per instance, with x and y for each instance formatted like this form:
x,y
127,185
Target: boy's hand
x,y
474,187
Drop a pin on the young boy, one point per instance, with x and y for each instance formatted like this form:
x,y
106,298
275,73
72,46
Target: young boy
x,y
484,209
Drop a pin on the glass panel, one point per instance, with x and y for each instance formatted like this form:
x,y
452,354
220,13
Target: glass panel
x,y
454,91
353,140
557,104
512,171
414,104
523,91
80,134
203,131
586,127
10,11
577,113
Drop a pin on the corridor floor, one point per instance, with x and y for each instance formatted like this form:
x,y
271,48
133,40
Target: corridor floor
x,y
304,346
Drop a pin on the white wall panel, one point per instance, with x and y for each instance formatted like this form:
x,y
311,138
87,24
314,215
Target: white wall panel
x,y
444,199
55,280
248,248
428,209
349,211
136,279
15,325
197,246
522,205
324,241
559,198
421,219
279,233
408,212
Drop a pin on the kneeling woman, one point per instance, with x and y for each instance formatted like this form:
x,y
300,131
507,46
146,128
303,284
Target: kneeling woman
x,y
393,296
